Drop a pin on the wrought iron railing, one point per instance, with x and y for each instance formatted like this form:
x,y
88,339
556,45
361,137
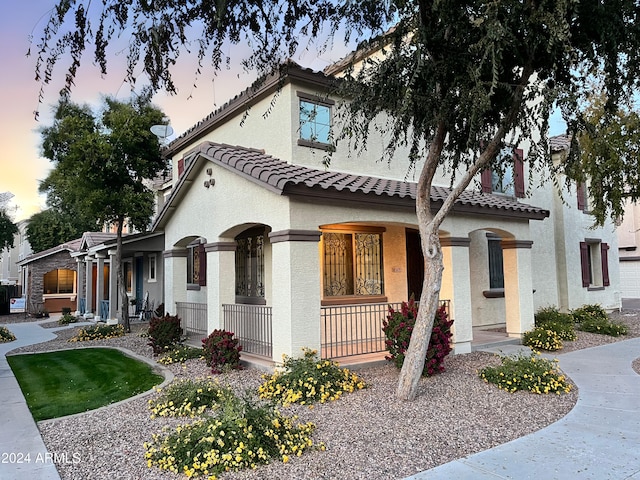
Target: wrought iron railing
x,y
349,330
252,326
193,318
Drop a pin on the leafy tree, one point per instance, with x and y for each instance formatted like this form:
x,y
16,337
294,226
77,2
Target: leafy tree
x,y
51,227
100,163
457,81
7,230
606,154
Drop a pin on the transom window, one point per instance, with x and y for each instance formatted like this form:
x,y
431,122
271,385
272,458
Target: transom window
x,y
250,267
352,264
59,281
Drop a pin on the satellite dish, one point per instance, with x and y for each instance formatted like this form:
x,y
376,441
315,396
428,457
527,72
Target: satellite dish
x,y
162,131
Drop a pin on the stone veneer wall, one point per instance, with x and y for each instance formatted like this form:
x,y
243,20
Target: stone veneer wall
x,y
37,270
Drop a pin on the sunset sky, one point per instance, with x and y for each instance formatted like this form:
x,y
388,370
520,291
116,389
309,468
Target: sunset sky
x,y
21,166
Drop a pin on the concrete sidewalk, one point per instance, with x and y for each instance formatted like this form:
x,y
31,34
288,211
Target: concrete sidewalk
x,y
599,439
23,454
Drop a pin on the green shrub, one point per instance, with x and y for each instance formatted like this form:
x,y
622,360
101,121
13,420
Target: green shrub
x,y
542,338
164,333
186,398
242,435
65,311
308,380
588,312
221,351
6,335
66,319
603,326
561,323
398,327
181,354
98,332
531,373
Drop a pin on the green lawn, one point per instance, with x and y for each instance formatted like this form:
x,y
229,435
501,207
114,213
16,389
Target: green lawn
x,y
72,381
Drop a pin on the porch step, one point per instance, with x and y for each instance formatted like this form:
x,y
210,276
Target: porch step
x,y
489,345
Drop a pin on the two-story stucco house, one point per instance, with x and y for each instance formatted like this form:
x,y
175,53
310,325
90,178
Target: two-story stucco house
x,y
261,238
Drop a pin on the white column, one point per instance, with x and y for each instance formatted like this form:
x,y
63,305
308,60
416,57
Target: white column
x,y
99,283
175,278
296,292
456,287
221,265
89,281
518,287
113,285
80,287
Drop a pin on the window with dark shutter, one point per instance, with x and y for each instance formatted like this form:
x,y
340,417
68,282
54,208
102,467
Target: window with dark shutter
x,y
582,196
594,262
585,264
202,266
604,256
180,167
511,181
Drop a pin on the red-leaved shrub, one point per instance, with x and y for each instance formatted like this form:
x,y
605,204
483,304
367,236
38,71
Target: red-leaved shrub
x,y
221,351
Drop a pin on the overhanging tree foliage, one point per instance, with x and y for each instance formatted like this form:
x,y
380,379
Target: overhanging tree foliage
x,y
7,230
457,81
100,162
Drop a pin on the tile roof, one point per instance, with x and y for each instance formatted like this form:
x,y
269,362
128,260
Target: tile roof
x,y
287,179
559,143
71,246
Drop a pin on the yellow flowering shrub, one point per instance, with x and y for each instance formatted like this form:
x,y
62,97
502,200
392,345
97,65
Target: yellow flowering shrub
x,y
308,380
6,335
531,373
181,354
541,338
98,332
186,398
242,435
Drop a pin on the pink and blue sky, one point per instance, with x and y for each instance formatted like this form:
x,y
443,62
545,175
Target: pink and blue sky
x,y
21,165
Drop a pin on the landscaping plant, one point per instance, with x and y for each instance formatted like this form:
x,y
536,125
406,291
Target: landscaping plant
x,y
589,312
66,319
6,335
541,338
164,333
242,434
307,380
181,354
562,324
221,351
594,319
398,327
531,373
98,332
187,398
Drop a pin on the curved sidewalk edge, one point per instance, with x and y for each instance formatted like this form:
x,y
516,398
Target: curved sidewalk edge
x,y
22,451
598,439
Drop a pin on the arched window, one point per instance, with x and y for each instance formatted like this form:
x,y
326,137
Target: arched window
x,y
59,281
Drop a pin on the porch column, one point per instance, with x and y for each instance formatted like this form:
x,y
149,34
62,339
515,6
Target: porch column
x,y
296,292
518,287
113,285
80,288
221,263
89,282
456,287
175,278
99,283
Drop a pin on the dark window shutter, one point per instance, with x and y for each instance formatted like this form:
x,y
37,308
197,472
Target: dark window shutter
x,y
202,258
581,197
518,170
604,255
485,179
584,264
180,167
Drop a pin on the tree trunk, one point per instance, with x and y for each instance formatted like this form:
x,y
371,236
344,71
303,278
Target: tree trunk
x,y
123,309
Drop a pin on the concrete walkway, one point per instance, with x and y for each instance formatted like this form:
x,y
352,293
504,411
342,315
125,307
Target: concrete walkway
x,y
22,452
599,439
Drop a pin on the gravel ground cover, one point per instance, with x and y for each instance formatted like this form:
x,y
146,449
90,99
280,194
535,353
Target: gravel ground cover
x,y
368,434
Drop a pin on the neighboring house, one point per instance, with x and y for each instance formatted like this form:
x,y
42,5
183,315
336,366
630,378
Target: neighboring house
x,y
51,279
628,243
10,272
262,239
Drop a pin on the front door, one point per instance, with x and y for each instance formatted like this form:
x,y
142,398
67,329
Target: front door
x,y
415,264
138,280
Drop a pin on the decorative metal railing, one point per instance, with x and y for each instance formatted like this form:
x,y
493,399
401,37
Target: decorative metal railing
x,y
193,318
252,326
104,309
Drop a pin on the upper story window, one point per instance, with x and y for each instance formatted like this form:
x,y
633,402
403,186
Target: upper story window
x,y
594,263
509,180
315,121
250,267
59,281
352,264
